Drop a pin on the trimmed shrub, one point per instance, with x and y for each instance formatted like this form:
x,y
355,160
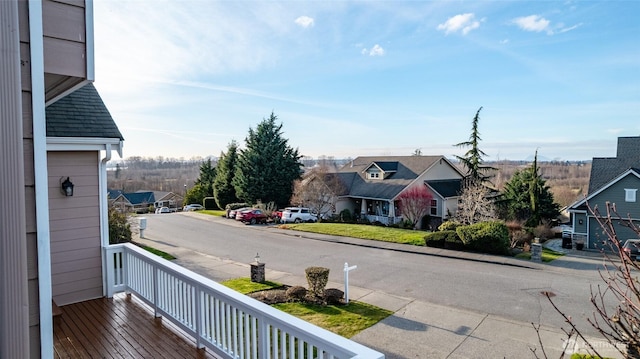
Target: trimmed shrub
x,y
317,277
449,226
232,206
454,243
345,215
333,296
437,239
485,237
209,203
296,293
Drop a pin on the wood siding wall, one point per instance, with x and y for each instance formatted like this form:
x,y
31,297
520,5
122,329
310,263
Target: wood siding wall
x,y
14,295
75,227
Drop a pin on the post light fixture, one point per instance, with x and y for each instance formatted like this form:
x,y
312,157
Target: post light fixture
x,y
257,258
67,187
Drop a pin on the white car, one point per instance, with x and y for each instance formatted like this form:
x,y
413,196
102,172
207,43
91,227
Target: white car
x,y
163,210
192,207
298,215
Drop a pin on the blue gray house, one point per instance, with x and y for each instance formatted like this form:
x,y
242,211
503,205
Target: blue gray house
x,y
613,180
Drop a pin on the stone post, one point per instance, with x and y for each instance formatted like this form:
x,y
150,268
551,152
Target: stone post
x,y
257,272
536,251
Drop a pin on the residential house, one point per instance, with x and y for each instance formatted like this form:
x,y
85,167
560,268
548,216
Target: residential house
x,y
614,180
373,186
141,200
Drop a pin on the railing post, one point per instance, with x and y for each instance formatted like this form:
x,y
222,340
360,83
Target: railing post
x,y
154,270
199,302
263,339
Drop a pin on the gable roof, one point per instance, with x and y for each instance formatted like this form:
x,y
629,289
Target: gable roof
x,y
582,202
140,197
81,114
385,166
446,188
407,170
604,169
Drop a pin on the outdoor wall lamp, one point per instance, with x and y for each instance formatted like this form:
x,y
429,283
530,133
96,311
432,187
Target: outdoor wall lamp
x,y
67,187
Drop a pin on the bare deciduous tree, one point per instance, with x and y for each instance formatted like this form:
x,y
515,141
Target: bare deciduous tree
x,y
318,190
475,204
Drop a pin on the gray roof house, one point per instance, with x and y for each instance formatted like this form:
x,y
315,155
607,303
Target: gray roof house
x,y
373,185
614,180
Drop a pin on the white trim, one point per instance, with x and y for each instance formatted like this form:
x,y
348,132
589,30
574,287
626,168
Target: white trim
x,y
36,40
84,144
104,214
89,41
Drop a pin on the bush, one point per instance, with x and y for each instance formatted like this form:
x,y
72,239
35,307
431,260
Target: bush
x,y
449,226
454,242
296,293
317,277
209,203
543,232
333,296
119,228
345,215
485,237
437,239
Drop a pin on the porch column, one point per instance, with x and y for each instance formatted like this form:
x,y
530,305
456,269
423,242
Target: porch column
x,y
392,209
363,207
14,300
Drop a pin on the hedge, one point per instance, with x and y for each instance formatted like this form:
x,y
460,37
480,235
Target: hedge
x,y
485,237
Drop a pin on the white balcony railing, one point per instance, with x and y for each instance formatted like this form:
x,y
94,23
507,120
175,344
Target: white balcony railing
x,y
232,325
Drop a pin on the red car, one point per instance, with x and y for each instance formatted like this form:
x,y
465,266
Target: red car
x,y
251,216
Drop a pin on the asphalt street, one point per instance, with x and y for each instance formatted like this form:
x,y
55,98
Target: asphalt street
x,y
489,291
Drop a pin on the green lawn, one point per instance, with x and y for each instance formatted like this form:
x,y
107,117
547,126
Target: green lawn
x,y
547,255
157,252
214,212
346,320
377,233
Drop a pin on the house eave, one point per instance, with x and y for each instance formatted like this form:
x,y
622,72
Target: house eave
x,y
601,189
84,144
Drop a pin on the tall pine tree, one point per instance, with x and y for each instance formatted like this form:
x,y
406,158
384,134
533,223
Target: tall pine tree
x,y
223,190
473,160
267,167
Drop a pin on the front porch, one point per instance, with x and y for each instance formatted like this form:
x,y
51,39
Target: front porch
x,y
119,327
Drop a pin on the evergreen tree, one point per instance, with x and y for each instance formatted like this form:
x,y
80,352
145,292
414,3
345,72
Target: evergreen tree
x,y
473,158
526,197
206,178
267,167
223,190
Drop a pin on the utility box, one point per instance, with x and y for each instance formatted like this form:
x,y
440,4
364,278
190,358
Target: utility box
x,y
142,223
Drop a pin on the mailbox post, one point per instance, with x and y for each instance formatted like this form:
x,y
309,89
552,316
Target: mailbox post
x,y
347,269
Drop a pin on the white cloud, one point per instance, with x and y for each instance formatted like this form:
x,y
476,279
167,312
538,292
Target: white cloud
x,y
460,23
305,21
376,50
533,23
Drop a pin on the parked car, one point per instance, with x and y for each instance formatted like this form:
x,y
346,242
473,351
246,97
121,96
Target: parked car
x,y
193,207
251,216
163,210
233,212
632,247
297,215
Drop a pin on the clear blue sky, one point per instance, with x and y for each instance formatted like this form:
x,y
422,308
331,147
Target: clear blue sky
x,y
352,78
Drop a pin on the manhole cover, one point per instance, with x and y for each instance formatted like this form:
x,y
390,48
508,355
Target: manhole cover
x,y
547,293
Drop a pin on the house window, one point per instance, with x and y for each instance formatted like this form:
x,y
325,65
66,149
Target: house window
x,y
434,207
374,175
630,194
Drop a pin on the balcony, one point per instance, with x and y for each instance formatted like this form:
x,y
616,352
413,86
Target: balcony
x,y
212,316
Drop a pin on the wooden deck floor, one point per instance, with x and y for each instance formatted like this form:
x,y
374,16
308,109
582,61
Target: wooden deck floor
x,y
121,327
